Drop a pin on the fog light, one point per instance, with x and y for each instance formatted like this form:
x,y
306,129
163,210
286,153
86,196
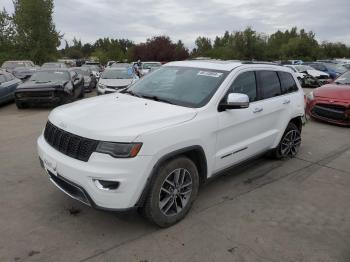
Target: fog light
x,y
106,185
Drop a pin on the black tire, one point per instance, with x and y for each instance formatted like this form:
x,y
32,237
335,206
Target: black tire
x,y
157,196
82,93
289,144
21,105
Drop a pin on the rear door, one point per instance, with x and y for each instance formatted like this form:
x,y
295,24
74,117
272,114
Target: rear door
x,y
276,106
244,132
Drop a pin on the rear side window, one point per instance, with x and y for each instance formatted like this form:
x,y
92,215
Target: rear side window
x,y
288,84
269,84
245,83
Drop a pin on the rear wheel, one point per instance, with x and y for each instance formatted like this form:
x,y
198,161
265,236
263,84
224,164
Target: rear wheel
x,y
289,144
172,192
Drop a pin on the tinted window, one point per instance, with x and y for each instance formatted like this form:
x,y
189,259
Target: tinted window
x,y
269,83
49,76
245,83
288,84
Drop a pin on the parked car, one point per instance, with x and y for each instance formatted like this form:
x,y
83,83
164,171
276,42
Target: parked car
x,y
333,70
110,63
50,87
90,80
152,145
21,69
310,77
93,63
53,65
94,68
121,65
8,85
331,103
147,66
115,79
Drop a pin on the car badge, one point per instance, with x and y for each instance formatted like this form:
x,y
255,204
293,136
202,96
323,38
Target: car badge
x,y
331,101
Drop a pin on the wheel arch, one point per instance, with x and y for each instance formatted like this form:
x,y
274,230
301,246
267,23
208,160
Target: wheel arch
x,y
195,153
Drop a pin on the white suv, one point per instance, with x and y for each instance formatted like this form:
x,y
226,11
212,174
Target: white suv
x,y
151,146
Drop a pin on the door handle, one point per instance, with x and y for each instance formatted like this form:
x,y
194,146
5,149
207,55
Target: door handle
x,y
258,110
286,101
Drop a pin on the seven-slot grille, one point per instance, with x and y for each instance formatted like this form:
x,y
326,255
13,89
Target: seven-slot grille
x,y
69,144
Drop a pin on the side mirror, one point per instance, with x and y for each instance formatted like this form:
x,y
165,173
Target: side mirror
x,y
234,101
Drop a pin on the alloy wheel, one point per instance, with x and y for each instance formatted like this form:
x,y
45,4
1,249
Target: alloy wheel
x,y
290,143
175,192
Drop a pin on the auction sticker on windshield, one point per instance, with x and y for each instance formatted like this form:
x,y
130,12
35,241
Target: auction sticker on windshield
x,y
208,73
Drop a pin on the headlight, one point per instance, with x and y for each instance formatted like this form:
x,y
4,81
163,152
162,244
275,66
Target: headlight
x,y
310,96
119,150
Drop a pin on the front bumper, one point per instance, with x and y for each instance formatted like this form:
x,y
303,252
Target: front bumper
x,y
41,96
131,174
335,112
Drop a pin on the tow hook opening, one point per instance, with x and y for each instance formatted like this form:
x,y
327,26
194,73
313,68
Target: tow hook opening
x,y
106,185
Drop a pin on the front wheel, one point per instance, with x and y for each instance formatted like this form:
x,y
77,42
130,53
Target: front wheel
x,y
289,144
172,192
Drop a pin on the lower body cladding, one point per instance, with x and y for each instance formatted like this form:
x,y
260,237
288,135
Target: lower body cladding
x,y
103,182
336,113
42,96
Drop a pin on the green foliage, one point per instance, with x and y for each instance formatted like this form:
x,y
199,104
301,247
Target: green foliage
x,y
250,45
31,34
36,37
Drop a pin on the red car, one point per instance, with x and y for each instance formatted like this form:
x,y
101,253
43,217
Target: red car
x,y
331,103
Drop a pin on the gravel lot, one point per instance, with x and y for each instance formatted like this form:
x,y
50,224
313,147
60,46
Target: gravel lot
x,y
295,210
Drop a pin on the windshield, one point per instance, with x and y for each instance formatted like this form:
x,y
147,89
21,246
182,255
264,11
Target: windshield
x,y
12,65
53,65
150,65
120,65
83,71
344,79
303,68
92,67
184,86
337,68
50,76
115,74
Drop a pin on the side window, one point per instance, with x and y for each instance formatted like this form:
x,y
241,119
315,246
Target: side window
x,y
245,83
269,84
288,84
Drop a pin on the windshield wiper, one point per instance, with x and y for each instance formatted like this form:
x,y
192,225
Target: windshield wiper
x,y
158,99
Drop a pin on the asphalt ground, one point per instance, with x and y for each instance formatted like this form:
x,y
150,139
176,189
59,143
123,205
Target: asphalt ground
x,y
292,210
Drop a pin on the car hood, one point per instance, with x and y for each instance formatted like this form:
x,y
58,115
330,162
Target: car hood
x,y
316,73
118,117
341,92
24,69
115,82
40,85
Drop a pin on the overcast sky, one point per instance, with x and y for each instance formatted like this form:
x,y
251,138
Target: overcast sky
x,y
187,19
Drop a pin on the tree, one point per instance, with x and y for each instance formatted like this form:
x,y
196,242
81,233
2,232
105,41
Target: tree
x,y
36,35
203,46
160,48
7,34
